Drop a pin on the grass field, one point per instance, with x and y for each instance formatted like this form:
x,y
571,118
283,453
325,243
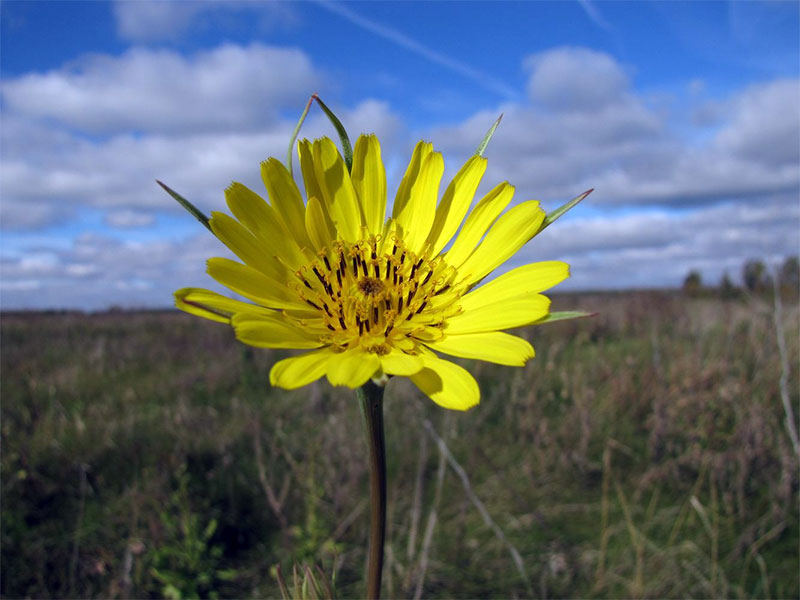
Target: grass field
x,y
643,453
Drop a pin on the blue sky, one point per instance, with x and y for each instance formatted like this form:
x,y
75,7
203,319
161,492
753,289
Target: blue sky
x,y
684,117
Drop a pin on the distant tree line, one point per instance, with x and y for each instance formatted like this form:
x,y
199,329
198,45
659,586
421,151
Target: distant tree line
x,y
756,280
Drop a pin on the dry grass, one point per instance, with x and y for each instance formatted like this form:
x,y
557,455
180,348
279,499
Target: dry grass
x,y
643,453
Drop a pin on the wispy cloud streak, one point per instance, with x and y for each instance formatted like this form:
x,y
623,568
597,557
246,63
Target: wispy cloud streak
x,y
594,15
396,37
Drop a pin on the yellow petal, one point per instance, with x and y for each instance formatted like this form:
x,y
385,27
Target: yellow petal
x,y
306,154
503,314
478,222
416,216
212,306
352,368
252,284
285,199
369,180
271,331
524,280
246,246
509,234
400,363
318,225
263,221
455,202
422,150
495,346
337,189
297,371
447,384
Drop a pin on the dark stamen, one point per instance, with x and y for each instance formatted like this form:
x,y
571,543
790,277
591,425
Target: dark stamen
x,y
421,307
428,277
375,314
443,290
327,264
312,304
341,322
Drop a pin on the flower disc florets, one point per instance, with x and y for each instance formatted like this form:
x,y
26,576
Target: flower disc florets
x,y
379,295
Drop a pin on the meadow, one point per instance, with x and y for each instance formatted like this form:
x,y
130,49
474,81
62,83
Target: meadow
x,y
642,453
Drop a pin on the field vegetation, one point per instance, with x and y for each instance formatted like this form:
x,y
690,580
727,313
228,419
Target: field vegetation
x,y
644,452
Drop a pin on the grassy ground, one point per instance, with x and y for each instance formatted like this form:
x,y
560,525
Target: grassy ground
x,y
643,453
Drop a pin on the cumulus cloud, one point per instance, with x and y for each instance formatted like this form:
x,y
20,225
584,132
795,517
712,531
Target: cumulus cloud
x,y
98,271
229,88
149,20
605,252
764,126
40,179
123,219
573,78
586,127
583,125
659,248
153,20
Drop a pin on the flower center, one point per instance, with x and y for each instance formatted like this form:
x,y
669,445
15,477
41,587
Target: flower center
x,y
377,294
371,286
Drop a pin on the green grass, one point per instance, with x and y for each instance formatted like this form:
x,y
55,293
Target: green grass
x,y
643,453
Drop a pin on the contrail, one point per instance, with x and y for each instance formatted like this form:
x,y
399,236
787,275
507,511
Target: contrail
x,y
594,15
396,37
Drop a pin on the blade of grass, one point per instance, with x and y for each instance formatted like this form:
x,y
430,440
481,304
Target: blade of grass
x,y
561,210
347,148
191,208
296,132
564,315
488,137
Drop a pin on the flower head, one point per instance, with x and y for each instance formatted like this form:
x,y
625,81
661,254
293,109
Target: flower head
x,y
370,296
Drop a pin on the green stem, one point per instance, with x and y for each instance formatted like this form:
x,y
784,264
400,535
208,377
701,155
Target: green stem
x,y
371,399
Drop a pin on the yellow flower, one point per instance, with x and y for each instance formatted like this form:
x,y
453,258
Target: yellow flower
x,y
371,296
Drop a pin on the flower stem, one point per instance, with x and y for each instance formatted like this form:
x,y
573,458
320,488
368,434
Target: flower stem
x,y
371,399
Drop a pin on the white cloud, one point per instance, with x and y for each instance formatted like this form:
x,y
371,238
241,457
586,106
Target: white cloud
x,y
129,218
98,271
153,20
740,183
610,138
572,78
39,179
229,88
765,124
660,248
